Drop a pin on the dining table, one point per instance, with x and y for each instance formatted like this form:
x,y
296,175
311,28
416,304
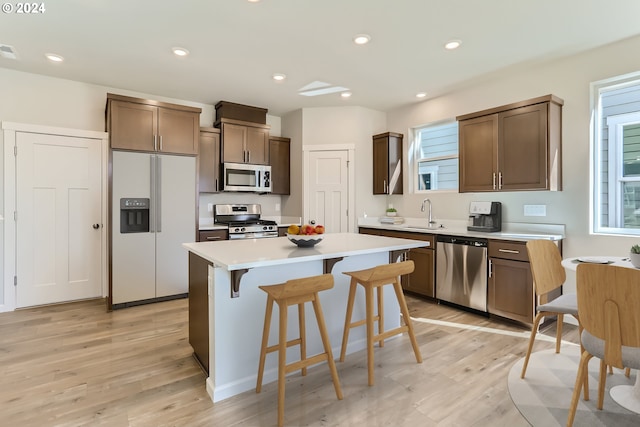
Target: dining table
x,y
627,396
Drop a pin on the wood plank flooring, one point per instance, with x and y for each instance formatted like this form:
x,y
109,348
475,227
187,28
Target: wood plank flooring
x,y
77,365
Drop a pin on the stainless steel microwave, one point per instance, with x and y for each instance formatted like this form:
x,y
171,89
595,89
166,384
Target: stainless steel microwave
x,y
247,177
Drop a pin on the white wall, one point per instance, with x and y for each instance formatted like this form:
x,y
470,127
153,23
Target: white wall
x,y
338,126
569,79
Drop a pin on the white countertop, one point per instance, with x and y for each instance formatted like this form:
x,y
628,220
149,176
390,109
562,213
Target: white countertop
x,y
510,231
250,253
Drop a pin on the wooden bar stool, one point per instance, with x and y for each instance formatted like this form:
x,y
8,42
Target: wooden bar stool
x,y
370,279
295,292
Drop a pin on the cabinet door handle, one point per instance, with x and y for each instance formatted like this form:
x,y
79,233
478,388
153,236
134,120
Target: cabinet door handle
x,y
214,238
490,268
155,142
160,142
216,184
499,180
509,251
384,186
494,180
248,156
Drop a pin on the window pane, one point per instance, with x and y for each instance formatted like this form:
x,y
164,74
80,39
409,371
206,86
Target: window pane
x,y
631,150
631,191
438,174
436,157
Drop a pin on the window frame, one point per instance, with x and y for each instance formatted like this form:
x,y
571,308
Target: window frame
x,y
614,146
415,159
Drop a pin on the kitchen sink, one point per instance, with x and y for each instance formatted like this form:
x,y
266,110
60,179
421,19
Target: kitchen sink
x,y
528,236
425,227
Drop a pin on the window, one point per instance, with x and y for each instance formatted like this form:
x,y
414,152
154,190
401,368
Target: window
x,y
436,157
617,155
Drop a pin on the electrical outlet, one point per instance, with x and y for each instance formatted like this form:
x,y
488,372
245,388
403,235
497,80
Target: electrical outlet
x,y
535,210
210,207
277,207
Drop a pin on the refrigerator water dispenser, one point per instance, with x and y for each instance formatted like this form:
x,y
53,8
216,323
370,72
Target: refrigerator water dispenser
x,y
134,215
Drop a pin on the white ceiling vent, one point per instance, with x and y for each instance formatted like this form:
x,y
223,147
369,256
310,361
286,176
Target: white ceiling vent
x,y
320,88
7,51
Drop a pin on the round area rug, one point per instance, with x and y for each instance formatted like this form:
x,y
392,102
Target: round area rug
x,y
544,396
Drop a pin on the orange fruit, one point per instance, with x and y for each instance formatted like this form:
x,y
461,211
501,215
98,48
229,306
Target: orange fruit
x,y
293,229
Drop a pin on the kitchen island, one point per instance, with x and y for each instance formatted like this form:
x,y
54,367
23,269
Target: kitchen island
x,y
225,302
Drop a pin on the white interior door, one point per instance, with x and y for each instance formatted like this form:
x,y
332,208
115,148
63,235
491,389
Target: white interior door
x,y
328,189
58,203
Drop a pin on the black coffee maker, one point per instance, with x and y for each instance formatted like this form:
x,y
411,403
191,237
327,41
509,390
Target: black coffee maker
x,y
485,216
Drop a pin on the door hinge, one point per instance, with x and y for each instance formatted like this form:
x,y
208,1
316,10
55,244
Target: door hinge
x,y
15,150
15,215
15,280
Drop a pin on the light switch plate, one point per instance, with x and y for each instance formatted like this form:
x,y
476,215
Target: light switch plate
x,y
210,207
535,210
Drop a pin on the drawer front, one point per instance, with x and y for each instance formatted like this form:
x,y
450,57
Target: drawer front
x,y
508,250
212,235
429,238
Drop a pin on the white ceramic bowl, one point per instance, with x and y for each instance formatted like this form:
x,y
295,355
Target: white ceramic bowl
x,y
305,240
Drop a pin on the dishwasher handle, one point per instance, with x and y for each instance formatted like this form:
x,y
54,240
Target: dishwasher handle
x,y
461,240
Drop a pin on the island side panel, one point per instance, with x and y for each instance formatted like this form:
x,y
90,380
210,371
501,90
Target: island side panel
x,y
236,323
198,309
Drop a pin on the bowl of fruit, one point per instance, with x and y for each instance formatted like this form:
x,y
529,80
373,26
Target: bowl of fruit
x,y
305,236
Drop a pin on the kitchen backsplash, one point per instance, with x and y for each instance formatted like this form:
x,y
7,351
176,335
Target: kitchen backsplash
x,y
270,203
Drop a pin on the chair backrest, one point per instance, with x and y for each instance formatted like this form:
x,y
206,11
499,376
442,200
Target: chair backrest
x,y
609,306
393,269
546,266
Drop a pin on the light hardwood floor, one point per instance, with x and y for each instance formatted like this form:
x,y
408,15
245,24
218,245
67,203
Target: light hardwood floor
x,y
77,365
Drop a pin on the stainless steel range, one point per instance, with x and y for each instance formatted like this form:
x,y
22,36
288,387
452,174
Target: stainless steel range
x,y
244,221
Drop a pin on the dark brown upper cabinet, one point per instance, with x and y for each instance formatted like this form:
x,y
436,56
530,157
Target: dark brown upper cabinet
x,y
145,125
244,142
280,159
387,163
209,179
511,148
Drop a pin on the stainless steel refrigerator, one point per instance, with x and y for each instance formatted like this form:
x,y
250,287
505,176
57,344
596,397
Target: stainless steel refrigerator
x,y
153,203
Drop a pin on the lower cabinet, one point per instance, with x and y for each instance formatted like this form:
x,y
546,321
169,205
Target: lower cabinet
x,y
212,235
422,280
510,292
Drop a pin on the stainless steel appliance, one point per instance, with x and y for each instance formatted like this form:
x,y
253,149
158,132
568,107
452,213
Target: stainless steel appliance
x,y
155,194
461,271
247,177
485,216
244,221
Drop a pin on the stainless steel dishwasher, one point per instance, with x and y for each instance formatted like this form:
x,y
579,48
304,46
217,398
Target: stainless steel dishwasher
x,y
461,271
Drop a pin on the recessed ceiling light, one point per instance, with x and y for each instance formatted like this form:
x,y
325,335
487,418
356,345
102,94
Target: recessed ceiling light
x,y
452,44
345,94
279,77
361,38
53,57
421,94
180,51
253,1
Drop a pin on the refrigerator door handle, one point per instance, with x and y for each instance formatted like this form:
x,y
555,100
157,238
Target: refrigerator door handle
x,y
152,195
158,195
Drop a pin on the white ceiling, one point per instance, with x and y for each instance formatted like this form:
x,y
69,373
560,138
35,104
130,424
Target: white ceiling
x,y
236,46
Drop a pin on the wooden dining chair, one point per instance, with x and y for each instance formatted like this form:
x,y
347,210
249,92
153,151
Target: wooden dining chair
x,y
548,276
608,300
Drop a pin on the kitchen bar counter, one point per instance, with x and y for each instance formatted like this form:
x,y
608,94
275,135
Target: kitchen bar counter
x,y
233,326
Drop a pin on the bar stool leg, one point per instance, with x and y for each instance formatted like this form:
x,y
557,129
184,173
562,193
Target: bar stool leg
x,y
407,320
380,315
282,360
265,341
369,317
347,320
303,336
327,346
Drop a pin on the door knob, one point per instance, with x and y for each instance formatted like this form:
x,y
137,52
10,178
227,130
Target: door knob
x,y
96,226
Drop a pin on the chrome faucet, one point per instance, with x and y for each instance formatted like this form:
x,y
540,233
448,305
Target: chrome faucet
x,y
431,221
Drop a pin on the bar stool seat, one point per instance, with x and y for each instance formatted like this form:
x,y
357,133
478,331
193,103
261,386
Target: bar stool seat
x,y
376,278
295,292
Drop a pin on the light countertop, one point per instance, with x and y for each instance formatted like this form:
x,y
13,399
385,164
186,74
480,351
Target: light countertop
x,y
250,253
510,231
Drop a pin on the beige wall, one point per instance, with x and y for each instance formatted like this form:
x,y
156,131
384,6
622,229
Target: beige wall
x,y
570,80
